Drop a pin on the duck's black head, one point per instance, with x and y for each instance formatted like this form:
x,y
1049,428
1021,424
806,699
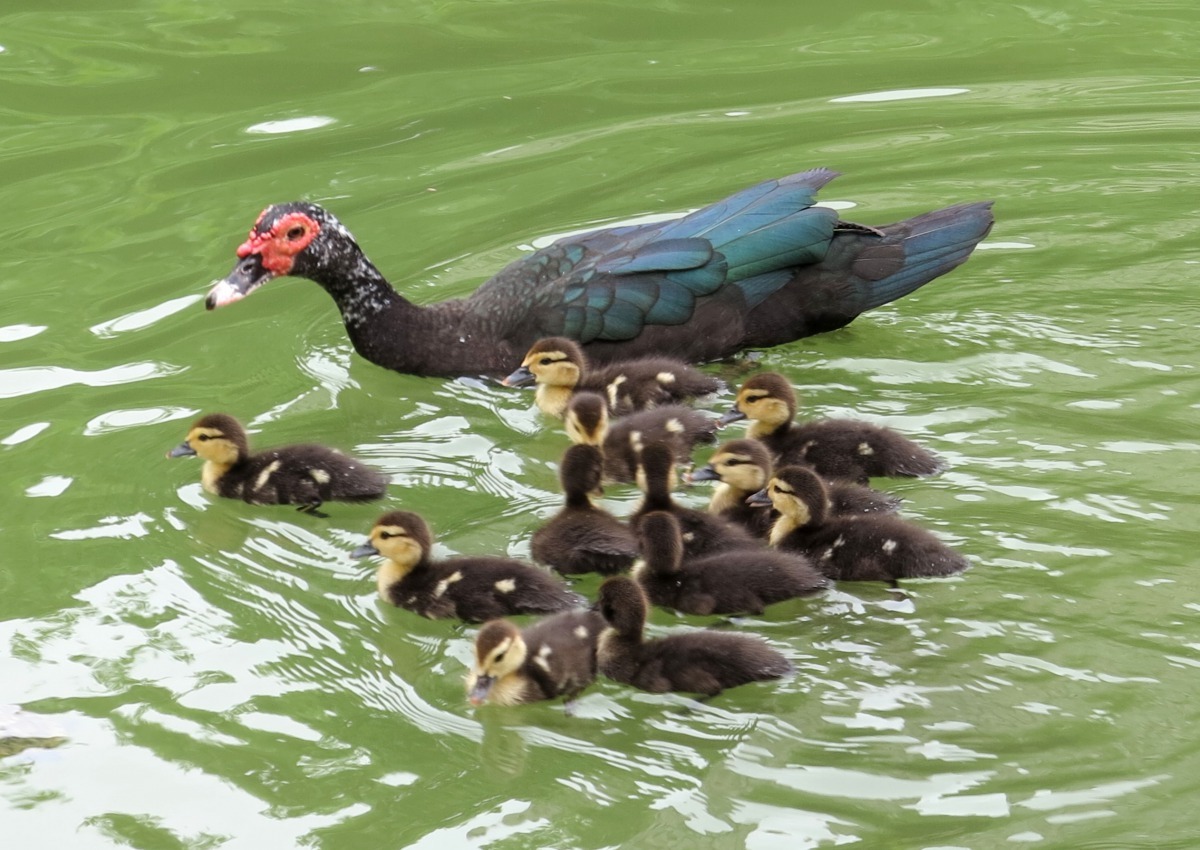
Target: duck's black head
x,y
586,419
580,472
766,397
798,491
298,238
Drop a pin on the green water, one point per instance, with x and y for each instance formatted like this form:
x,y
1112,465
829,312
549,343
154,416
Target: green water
x,y
224,675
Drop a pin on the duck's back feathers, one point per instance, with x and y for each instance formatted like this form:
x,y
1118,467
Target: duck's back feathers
x,y
702,662
856,451
736,581
582,537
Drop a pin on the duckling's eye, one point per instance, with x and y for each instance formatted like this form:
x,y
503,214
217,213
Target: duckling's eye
x,y
545,361
732,461
204,438
295,232
386,535
500,657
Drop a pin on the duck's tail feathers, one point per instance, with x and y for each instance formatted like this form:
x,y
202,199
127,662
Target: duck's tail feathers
x,y
934,243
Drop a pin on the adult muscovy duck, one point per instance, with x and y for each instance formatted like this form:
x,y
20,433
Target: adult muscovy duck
x,y
760,268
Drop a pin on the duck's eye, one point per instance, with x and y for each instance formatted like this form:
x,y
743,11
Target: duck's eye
x,y
386,535
545,361
204,438
295,232
500,657
732,461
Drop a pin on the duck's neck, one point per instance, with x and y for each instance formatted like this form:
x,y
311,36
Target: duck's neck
x,y
553,400
760,430
212,473
726,498
388,574
443,339
783,526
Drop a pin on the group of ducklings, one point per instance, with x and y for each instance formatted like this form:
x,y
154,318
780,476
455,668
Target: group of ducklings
x,y
792,512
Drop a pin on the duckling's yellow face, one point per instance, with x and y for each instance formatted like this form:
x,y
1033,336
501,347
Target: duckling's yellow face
x,y
553,368
785,500
739,471
763,406
501,660
395,543
212,444
499,653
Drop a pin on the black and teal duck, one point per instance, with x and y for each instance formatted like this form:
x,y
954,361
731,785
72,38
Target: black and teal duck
x,y
759,268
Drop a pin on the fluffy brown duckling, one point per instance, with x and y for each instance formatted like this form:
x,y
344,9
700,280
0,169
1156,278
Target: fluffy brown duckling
x,y
836,448
682,428
880,547
702,532
469,588
560,369
583,538
743,467
701,662
556,656
735,581
305,475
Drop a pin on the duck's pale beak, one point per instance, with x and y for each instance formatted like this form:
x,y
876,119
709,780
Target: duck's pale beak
x,y
481,689
704,473
182,450
365,551
731,415
520,378
759,499
247,276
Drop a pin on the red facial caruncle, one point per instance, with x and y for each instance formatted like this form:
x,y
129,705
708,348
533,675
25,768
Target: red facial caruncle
x,y
290,235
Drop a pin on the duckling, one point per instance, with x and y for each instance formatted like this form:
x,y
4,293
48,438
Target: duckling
x,y
469,588
682,428
583,538
702,662
702,532
559,368
743,467
736,581
835,448
861,547
305,475
556,656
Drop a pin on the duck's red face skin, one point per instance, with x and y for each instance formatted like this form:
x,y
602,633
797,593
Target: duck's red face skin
x,y
265,255
290,235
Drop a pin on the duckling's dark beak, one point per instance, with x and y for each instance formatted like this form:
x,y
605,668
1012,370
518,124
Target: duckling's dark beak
x,y
479,693
704,473
182,450
247,276
365,551
759,499
731,415
520,378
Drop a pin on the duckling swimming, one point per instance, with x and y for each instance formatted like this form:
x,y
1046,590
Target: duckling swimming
x,y
559,368
743,467
702,532
682,428
469,588
734,581
879,547
835,448
556,656
306,475
701,662
583,538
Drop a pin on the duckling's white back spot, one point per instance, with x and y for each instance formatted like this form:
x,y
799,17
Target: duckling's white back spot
x,y
865,449
674,426
320,475
542,659
581,632
614,388
445,583
665,378
265,475
889,546
506,585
